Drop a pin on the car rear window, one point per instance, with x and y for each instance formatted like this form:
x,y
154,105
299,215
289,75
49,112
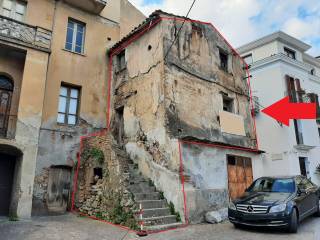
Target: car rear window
x,y
273,185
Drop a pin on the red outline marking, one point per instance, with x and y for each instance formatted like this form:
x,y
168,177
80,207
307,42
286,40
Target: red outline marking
x,y
100,133
182,182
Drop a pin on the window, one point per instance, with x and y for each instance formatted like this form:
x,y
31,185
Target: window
x,y
13,9
75,36
227,104
231,160
223,60
295,94
303,166
68,105
290,53
248,59
121,59
314,98
312,72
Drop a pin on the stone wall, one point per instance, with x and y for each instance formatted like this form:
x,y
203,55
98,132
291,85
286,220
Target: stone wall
x,y
105,196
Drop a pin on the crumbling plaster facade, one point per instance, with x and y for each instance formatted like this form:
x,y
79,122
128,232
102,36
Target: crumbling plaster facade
x,y
171,93
59,144
26,70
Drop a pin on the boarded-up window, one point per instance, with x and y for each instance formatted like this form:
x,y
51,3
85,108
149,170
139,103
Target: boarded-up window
x,y
232,123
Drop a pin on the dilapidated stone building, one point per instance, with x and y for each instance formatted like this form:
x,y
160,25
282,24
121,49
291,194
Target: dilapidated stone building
x,y
180,86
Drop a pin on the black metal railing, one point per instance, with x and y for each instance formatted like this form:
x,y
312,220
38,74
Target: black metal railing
x,y
8,128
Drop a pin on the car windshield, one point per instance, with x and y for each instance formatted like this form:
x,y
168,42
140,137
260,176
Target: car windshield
x,y
273,185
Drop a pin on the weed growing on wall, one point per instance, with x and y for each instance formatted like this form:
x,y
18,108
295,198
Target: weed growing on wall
x,y
94,153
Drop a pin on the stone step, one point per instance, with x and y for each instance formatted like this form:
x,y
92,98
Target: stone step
x,y
155,212
163,226
147,204
136,181
133,166
136,188
137,177
161,220
147,196
122,154
135,174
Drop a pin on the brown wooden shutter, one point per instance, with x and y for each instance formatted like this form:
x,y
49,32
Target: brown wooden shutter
x,y
290,88
299,90
318,108
315,99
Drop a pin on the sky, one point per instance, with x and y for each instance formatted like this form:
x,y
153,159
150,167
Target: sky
x,y
242,21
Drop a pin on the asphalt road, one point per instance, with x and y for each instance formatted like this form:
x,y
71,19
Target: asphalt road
x,y
71,227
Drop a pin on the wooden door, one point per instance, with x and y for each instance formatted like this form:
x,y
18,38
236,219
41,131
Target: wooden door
x,y
240,175
58,189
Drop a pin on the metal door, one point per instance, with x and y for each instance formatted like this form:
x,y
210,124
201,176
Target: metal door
x,y
58,189
7,164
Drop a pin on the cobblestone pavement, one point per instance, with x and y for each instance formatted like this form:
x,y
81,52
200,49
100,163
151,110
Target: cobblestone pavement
x,y
71,227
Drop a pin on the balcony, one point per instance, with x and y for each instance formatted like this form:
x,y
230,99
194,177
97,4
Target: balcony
x,y
92,6
16,32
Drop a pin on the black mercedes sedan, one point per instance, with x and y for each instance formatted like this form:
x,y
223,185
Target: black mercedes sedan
x,y
276,202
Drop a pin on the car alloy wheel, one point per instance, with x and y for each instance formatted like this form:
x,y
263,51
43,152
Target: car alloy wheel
x,y
294,222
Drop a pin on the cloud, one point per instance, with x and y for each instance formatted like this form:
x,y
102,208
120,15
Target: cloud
x,y
242,21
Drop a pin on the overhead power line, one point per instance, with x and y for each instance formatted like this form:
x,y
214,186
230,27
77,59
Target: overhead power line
x,y
177,35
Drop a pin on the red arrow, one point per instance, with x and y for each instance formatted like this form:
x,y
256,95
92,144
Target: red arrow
x,y
284,110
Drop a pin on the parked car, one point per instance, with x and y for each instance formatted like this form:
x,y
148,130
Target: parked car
x,y
276,202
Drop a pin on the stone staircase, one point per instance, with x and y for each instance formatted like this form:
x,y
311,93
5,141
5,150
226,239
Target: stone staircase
x,y
156,213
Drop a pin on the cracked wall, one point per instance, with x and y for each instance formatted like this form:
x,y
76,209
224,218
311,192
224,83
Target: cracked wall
x,y
194,81
175,98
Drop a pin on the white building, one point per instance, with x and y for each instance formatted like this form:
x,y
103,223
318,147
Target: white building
x,y
280,67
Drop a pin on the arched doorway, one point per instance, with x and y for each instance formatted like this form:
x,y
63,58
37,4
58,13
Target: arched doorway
x,y
6,90
10,163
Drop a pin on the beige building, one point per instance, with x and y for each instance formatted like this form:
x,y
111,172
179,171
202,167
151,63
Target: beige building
x,y
53,77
